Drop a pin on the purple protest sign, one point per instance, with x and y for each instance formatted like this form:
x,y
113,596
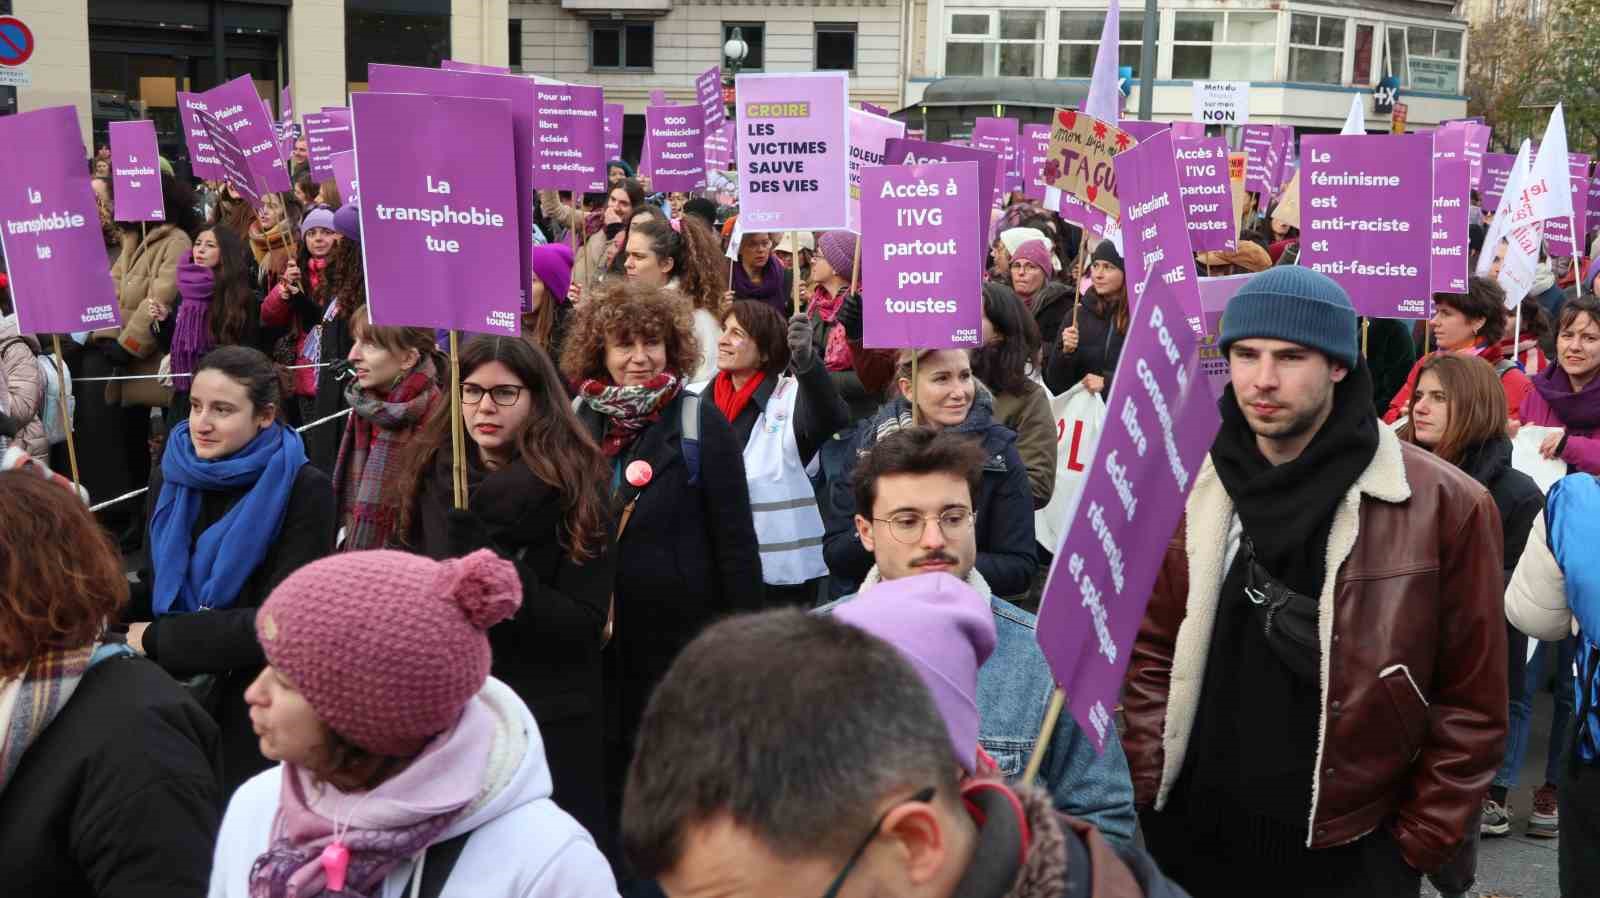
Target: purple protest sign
x,y
238,108
1278,156
1215,294
658,98
343,166
708,89
569,141
50,228
442,203
1594,206
874,108
1558,231
202,155
1365,211
1142,130
1155,232
675,144
285,103
1257,141
718,155
235,165
1160,421
613,130
516,90
1496,169
792,151
1477,144
921,262
1035,150
136,172
327,133
1207,195
1002,136
1188,130
869,138
1452,196
904,151
450,65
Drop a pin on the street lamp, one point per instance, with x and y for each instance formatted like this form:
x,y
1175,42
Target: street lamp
x,y
735,50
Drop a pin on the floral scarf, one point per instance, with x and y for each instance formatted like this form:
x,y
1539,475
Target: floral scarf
x,y
629,411
378,431
836,352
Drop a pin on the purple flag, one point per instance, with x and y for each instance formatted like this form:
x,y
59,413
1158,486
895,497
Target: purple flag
x,y
1142,130
1257,141
238,108
1365,212
327,133
1035,150
708,88
613,130
1155,232
569,138
904,151
515,89
1477,144
921,262
1003,136
1496,169
1160,421
1452,196
874,108
869,137
1207,196
1558,231
136,172
450,65
285,104
1104,100
443,203
202,155
343,166
50,228
676,147
793,151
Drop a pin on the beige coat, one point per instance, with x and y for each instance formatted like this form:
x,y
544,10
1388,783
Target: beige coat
x,y
1028,413
24,388
1536,600
146,269
588,264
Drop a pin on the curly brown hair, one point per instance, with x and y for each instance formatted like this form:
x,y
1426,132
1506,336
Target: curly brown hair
x,y
345,280
61,579
696,257
621,313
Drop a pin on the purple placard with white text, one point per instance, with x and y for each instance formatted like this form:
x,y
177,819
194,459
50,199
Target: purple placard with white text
x,y
450,65
343,166
613,131
1558,231
1143,130
327,133
1452,198
569,138
285,104
1207,196
1496,169
1035,150
1365,213
50,227
445,204
718,153
921,262
1155,233
675,144
869,139
793,151
1257,141
1004,136
136,172
235,165
708,89
905,151
238,108
1594,206
1160,421
202,155
1477,145
516,90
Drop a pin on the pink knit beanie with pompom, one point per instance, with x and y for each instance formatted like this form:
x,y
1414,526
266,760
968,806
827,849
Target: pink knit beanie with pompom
x,y
388,647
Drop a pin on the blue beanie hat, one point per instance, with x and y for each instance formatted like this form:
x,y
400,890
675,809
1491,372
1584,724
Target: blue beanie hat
x,y
1293,303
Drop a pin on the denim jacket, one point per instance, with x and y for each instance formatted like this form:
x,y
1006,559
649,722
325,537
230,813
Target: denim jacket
x,y
1014,688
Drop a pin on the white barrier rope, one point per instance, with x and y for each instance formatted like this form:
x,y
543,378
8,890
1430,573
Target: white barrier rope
x,y
95,380
144,489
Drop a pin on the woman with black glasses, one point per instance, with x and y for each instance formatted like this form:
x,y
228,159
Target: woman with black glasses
x,y
537,495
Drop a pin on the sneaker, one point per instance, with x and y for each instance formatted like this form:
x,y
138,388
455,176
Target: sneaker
x,y
1496,818
1546,820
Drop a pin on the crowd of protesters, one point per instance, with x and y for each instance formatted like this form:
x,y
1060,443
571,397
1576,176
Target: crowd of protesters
x,y
733,604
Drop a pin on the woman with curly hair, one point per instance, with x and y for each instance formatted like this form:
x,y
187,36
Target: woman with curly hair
x,y
686,550
683,257
343,290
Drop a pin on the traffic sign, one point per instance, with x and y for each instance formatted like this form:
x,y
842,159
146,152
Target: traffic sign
x,y
16,41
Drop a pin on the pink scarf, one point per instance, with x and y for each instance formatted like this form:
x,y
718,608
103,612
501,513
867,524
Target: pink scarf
x,y
381,828
836,354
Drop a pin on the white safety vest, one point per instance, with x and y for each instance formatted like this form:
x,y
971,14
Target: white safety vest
x,y
788,525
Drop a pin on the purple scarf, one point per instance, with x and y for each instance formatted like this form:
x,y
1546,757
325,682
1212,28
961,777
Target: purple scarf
x,y
769,291
191,335
1579,412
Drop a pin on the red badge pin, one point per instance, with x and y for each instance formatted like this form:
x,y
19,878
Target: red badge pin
x,y
639,473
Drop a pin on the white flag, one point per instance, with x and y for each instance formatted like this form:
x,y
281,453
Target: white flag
x,y
1549,187
1356,121
1506,212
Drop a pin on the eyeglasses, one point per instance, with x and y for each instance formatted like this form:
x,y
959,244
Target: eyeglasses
x,y
908,526
926,795
505,395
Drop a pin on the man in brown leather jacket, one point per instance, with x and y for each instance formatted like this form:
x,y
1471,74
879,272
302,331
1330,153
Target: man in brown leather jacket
x,y
1316,702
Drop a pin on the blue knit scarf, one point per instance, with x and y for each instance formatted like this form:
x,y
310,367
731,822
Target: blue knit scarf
x,y
208,573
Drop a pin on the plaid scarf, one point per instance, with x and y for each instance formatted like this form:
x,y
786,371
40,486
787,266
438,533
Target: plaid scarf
x,y
48,683
629,411
378,430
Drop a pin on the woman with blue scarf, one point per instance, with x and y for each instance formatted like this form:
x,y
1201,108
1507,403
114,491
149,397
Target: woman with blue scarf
x,y
234,509
1555,592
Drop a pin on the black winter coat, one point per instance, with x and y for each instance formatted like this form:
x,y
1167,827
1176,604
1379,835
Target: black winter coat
x,y
1052,310
1004,504
819,412
118,797
549,652
322,441
223,642
1099,348
1515,494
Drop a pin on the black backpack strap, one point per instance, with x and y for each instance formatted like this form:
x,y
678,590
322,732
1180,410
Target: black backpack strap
x,y
440,859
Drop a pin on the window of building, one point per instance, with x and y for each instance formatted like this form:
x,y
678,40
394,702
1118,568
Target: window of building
x,y
754,35
396,38
1002,42
836,46
1316,49
1080,42
622,45
1425,58
514,44
1224,46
